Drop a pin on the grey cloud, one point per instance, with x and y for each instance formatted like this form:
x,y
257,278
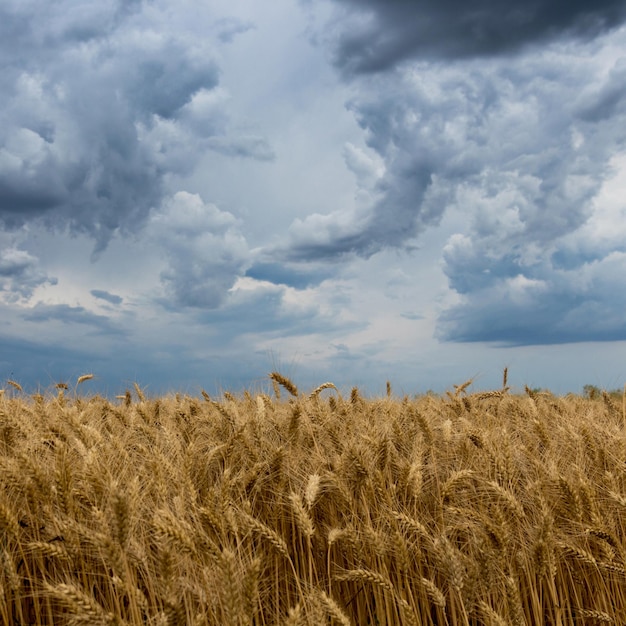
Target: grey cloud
x,y
30,29
72,315
522,147
570,290
228,28
292,274
164,77
203,248
438,129
266,313
20,274
412,316
586,304
100,294
375,35
91,114
209,125
242,146
539,243
606,101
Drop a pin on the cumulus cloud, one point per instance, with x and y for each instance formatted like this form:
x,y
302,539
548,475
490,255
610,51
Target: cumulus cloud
x,y
99,104
20,274
516,124
562,290
203,248
537,264
71,108
375,35
263,315
522,146
585,304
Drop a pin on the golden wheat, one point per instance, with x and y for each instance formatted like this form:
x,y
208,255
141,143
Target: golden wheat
x,y
479,509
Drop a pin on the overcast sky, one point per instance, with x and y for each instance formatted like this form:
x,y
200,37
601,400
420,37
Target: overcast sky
x,y
193,194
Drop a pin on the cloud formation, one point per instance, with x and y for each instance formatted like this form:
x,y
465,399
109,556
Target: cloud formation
x,y
203,247
67,314
523,126
522,146
376,35
111,298
20,274
99,105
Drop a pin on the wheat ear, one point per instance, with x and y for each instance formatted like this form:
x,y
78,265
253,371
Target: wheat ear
x,y
284,382
87,608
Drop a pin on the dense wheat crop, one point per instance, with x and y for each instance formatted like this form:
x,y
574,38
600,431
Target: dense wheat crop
x,y
481,509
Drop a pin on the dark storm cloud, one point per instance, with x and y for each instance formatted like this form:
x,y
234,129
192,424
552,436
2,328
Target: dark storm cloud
x,y
97,106
375,35
100,294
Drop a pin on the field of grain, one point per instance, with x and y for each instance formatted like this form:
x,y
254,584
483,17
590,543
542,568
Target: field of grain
x,y
310,508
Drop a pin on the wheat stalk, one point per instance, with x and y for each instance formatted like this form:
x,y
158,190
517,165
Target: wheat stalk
x,y
294,616
84,378
284,382
412,524
359,575
8,520
454,479
312,490
86,608
10,571
48,549
494,618
250,588
596,616
316,392
266,532
15,385
333,609
514,601
167,526
231,593
303,519
459,389
433,592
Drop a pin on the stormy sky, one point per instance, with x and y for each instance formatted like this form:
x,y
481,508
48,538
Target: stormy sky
x,y
195,194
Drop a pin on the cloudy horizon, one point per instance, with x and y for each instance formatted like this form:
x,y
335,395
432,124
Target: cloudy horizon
x,y
192,196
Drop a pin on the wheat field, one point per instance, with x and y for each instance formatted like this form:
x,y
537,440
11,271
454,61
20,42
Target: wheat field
x,y
292,508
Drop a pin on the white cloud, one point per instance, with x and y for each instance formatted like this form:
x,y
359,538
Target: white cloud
x,y
204,250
